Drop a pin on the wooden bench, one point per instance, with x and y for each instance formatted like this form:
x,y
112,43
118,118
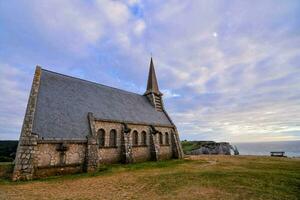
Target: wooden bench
x,y
278,153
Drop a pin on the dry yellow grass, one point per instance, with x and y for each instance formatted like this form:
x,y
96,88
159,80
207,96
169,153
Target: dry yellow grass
x,y
196,177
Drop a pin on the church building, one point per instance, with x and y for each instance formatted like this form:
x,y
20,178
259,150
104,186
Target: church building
x,y
74,125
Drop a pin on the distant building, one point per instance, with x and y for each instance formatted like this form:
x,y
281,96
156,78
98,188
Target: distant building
x,y
74,125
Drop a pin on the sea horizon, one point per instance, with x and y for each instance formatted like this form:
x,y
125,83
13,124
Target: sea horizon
x,y
291,148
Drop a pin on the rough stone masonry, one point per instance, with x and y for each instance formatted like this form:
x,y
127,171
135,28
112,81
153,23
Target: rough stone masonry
x,y
73,125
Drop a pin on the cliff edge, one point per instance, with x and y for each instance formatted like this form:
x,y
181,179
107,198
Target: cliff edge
x,y
209,148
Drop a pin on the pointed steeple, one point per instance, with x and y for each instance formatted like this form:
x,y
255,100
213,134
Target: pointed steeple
x,y
152,93
152,85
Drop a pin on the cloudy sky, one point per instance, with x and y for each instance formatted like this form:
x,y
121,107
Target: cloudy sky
x,y
229,70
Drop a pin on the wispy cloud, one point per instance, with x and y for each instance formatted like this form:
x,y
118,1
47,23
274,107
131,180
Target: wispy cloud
x,y
13,100
229,70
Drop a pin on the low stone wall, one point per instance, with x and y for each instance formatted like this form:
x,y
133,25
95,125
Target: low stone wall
x,y
57,157
75,153
165,152
52,160
109,155
48,155
141,153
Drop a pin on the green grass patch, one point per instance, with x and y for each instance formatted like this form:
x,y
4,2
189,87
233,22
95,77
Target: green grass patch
x,y
188,146
238,177
104,169
260,180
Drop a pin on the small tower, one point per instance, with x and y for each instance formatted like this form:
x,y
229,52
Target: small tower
x,y
152,92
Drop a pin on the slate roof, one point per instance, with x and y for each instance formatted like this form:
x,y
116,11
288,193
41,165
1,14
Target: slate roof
x,y
63,104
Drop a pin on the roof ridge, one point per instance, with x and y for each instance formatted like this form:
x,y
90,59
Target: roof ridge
x,y
68,76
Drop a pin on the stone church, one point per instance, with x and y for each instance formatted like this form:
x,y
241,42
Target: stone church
x,y
74,125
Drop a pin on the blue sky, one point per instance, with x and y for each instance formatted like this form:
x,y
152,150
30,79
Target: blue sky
x,y
229,70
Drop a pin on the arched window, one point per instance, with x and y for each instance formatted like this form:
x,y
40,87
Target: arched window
x,y
113,138
135,138
101,137
144,138
167,138
160,138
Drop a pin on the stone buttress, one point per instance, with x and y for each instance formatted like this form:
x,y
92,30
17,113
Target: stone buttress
x,y
27,147
91,161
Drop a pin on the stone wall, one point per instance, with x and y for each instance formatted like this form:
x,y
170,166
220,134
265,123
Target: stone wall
x,y
75,154
109,155
140,152
48,155
53,157
165,152
52,160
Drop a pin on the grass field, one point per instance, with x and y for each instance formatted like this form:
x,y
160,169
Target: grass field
x,y
196,177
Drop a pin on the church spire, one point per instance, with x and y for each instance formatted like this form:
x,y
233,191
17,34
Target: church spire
x,y
152,85
152,93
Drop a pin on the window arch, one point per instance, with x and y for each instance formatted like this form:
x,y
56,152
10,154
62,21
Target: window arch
x,y
160,138
167,138
144,138
135,138
113,138
101,137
